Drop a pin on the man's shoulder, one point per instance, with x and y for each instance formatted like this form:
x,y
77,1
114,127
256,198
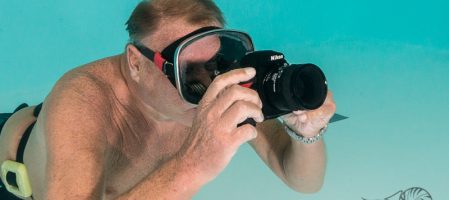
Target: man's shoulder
x,y
81,100
78,85
77,94
90,75
92,82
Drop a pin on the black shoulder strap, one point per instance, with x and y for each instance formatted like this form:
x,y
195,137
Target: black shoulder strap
x,y
23,142
26,136
3,118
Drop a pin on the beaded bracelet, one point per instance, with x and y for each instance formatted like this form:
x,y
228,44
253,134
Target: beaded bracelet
x,y
305,140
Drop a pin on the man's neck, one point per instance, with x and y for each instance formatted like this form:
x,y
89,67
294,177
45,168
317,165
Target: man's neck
x,y
147,110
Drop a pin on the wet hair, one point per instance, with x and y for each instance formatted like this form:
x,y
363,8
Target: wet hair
x,y
148,14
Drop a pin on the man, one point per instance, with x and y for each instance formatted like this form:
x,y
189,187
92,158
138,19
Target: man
x,y
117,128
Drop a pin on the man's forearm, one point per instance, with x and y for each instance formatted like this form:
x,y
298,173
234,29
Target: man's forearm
x,y
170,181
304,165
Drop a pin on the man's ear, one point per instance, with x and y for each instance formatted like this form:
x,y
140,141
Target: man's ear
x,y
133,58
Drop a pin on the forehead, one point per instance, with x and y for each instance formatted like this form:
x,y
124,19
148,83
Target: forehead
x,y
169,30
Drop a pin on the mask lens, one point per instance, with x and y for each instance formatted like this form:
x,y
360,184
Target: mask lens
x,y
199,60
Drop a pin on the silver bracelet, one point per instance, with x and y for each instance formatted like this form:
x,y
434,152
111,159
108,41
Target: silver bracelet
x,y
305,140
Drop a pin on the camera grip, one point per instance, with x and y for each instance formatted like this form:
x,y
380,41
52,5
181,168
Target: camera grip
x,y
248,121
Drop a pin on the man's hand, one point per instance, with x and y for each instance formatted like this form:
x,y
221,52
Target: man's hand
x,y
309,123
214,136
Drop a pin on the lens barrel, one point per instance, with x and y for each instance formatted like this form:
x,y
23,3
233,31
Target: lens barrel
x,y
284,88
295,87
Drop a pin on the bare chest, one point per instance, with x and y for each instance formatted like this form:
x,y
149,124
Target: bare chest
x,y
138,157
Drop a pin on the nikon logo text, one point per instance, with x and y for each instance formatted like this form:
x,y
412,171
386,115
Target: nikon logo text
x,y
276,57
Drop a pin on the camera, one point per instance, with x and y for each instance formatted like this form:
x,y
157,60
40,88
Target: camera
x,y
284,87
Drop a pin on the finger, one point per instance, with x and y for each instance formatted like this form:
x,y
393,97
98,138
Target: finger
x,y
236,93
225,80
330,104
299,112
243,134
320,116
303,118
240,111
329,107
330,94
329,97
301,115
315,114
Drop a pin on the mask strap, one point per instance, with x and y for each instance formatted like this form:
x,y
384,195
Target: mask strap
x,y
164,61
162,64
156,57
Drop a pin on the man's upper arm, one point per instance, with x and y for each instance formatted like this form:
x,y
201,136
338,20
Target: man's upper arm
x,y
270,145
75,140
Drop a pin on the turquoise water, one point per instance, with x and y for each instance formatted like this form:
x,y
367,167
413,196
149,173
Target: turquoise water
x,y
386,62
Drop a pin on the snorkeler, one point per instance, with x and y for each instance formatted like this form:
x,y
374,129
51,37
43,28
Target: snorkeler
x,y
141,124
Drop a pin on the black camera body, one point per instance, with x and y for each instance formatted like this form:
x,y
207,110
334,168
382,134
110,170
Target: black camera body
x,y
282,87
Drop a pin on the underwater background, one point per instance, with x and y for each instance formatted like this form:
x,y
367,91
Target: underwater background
x,y
387,63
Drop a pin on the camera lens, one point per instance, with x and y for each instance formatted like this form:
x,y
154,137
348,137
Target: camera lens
x,y
295,87
309,86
